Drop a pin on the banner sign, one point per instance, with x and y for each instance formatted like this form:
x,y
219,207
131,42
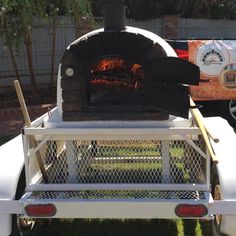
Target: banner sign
x,y
217,62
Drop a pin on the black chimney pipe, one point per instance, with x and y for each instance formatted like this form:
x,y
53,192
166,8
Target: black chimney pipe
x,y
114,15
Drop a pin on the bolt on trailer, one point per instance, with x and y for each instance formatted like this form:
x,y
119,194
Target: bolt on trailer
x,y
125,140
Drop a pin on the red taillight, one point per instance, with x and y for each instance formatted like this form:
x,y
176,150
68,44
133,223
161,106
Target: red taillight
x,y
183,54
40,210
186,210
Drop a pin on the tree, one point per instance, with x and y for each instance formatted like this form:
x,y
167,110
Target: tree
x,y
140,9
10,36
8,43
210,9
17,30
17,16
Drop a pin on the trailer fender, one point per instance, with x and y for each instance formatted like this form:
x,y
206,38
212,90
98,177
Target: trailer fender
x,y
11,166
226,167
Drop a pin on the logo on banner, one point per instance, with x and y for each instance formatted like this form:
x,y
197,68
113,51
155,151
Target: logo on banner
x,y
211,57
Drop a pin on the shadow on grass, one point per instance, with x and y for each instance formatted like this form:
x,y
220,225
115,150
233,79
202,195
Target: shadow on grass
x,y
86,227
4,139
109,228
196,227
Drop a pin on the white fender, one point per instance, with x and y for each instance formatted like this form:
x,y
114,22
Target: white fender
x,y
11,165
225,151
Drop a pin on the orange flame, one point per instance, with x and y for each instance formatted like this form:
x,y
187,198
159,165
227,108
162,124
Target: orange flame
x,y
107,64
135,68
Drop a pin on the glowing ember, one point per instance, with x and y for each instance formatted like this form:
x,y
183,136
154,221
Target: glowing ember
x,y
111,84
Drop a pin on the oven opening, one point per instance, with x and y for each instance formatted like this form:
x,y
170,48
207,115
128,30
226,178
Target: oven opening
x,y
115,81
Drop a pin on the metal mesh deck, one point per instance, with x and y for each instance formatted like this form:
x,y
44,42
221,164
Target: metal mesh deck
x,y
123,161
115,195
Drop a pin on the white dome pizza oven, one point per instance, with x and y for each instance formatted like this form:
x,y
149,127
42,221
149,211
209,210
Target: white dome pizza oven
x,y
122,73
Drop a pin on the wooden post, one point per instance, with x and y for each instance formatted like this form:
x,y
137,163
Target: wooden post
x,y
199,120
28,124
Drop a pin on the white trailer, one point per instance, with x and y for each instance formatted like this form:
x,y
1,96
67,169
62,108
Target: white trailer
x,y
101,153
119,170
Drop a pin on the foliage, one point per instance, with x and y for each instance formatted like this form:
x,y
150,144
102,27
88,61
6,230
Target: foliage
x,y
81,6
18,14
144,9
210,9
17,17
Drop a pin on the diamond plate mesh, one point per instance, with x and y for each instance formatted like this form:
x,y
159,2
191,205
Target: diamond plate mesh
x,y
123,161
114,194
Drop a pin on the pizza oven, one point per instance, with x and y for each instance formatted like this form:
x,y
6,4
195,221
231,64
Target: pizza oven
x,y
122,73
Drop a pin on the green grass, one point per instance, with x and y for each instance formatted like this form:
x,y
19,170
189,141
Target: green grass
x,y
127,166
147,150
177,152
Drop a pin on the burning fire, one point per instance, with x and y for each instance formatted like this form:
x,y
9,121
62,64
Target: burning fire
x,y
135,68
118,73
110,64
